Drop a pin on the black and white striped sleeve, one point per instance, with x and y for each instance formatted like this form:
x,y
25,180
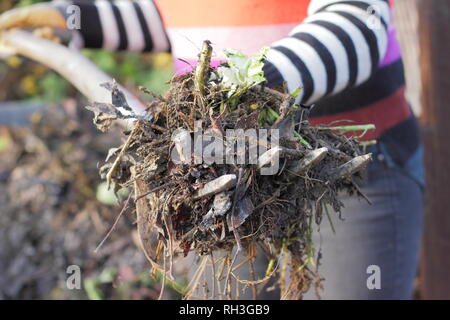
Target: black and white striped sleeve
x,y
339,45
123,25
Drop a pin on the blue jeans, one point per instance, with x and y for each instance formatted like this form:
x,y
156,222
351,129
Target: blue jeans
x,y
385,234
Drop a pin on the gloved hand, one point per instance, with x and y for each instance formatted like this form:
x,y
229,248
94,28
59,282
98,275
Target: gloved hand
x,y
38,15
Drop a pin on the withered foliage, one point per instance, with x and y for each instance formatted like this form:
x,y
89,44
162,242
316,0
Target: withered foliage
x,y
50,215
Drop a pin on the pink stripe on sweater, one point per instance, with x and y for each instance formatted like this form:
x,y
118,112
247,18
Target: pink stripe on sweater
x,y
393,50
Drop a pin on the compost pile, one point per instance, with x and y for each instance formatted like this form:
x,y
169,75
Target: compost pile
x,y
51,217
199,207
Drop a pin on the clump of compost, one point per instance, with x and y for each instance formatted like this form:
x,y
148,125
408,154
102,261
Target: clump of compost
x,y
189,205
51,216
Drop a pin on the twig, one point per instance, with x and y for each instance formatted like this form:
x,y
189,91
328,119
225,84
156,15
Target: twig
x,y
169,232
115,223
330,221
361,192
351,128
116,162
288,100
202,68
213,266
161,293
201,72
154,95
168,184
279,94
232,217
227,279
253,278
195,279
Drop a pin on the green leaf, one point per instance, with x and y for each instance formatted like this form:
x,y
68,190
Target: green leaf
x,y
302,140
242,71
53,87
92,290
296,92
107,196
4,142
108,275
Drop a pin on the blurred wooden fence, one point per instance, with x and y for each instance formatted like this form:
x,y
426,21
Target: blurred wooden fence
x,y
424,33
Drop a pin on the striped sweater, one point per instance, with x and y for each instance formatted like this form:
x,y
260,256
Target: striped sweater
x,y
344,54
